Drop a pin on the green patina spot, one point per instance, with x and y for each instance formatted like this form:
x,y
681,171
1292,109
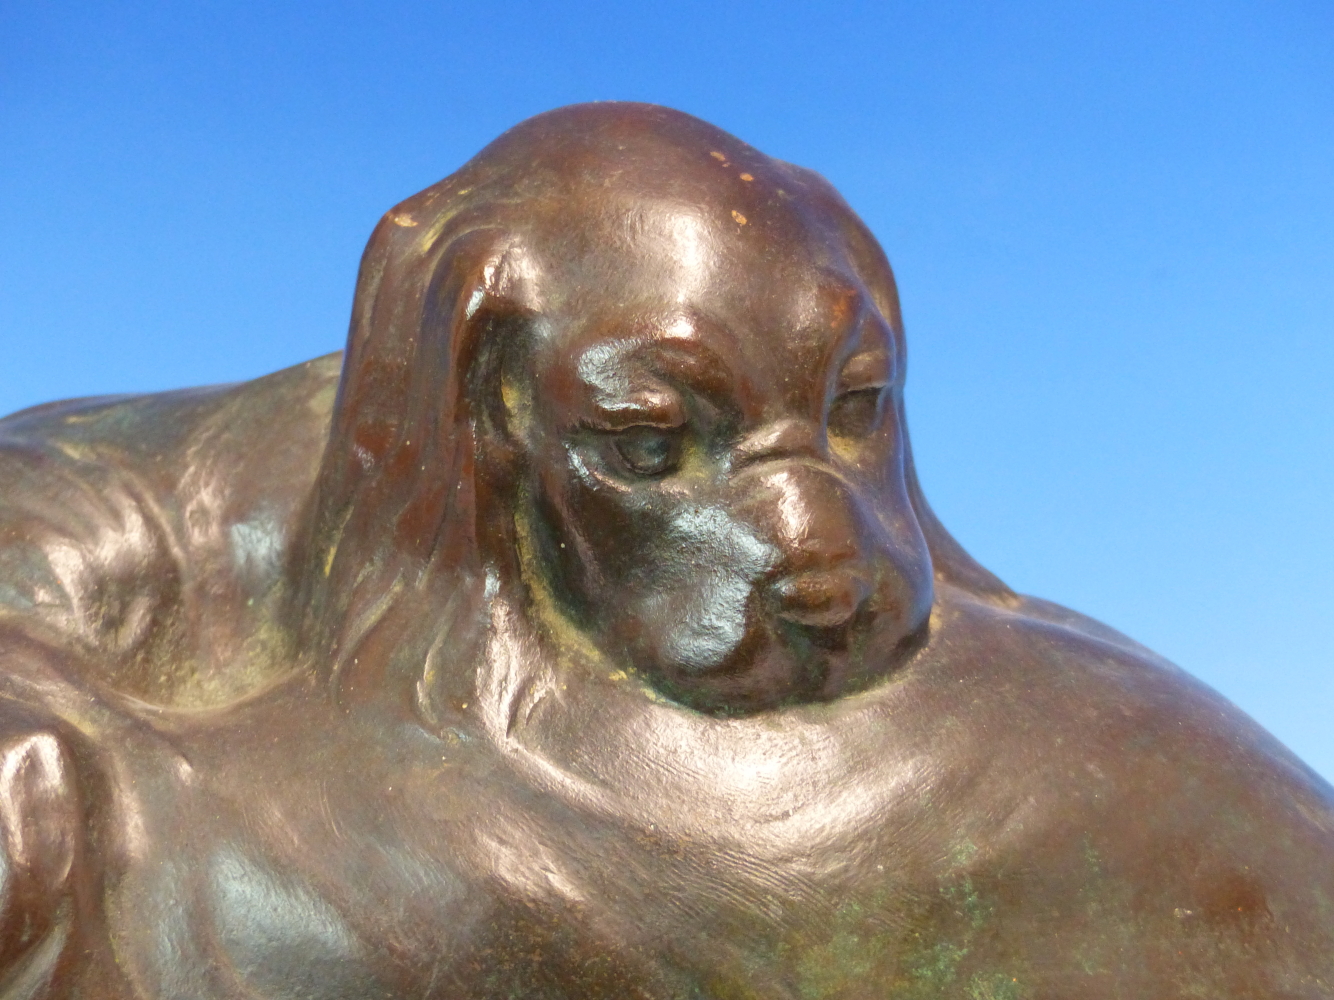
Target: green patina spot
x,y
945,955
831,968
965,898
962,853
1108,905
1092,860
994,986
940,967
939,963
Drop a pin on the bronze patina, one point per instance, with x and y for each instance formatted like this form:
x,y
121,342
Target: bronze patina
x,y
582,632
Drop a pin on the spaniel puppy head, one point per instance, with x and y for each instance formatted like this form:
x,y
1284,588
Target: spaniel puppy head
x,y
706,399
650,378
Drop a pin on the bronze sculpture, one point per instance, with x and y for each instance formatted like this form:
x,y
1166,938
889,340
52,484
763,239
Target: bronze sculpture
x,y
591,637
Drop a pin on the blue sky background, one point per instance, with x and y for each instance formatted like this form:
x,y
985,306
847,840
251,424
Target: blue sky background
x,y
1112,223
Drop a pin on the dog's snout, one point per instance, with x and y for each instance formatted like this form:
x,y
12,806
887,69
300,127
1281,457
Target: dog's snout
x,y
826,545
821,598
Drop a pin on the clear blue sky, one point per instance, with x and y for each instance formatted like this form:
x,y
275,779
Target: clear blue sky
x,y
1112,222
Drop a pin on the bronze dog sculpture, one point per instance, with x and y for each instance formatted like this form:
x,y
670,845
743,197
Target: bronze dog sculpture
x,y
590,637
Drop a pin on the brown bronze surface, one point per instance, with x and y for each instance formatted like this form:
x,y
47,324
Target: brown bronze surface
x,y
582,632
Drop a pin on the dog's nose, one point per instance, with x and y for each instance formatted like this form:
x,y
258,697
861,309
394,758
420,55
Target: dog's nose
x,y
821,598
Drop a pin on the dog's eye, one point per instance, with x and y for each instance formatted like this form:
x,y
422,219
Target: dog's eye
x,y
649,451
855,414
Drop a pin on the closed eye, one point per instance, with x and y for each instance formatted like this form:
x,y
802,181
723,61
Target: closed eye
x,y
856,413
648,451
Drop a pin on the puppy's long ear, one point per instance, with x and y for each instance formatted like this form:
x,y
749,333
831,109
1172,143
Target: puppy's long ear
x,y
397,496
499,377
951,561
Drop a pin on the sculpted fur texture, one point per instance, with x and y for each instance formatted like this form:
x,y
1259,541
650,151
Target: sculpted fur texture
x,y
582,631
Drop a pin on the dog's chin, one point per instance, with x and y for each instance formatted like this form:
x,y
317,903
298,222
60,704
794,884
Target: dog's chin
x,y
779,664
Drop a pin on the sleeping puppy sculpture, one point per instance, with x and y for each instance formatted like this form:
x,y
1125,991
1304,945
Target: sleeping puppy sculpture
x,y
583,633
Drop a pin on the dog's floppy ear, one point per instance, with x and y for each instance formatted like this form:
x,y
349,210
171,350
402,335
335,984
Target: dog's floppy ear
x,y
397,491
502,317
950,560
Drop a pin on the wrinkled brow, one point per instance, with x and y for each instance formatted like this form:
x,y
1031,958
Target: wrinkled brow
x,y
867,334
680,361
689,364
850,337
